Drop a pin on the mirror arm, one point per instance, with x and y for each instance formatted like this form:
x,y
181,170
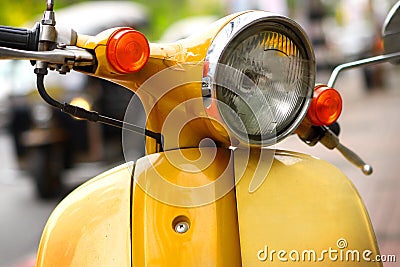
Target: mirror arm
x,y
359,63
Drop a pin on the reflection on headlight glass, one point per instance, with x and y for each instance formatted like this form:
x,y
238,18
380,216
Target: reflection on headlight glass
x,y
262,83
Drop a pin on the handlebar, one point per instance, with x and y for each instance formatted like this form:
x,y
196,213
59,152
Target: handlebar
x,y
19,38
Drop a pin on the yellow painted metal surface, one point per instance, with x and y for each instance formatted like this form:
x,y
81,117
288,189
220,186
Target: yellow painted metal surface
x,y
305,213
293,206
176,70
287,208
91,227
212,238
192,49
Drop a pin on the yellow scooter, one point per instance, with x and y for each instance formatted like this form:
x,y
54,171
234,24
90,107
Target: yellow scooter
x,y
211,190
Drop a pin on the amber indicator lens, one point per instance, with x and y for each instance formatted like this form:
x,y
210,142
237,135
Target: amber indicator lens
x,y
127,50
326,106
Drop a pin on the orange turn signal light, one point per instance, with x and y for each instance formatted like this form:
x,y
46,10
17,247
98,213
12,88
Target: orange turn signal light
x,y
326,106
127,50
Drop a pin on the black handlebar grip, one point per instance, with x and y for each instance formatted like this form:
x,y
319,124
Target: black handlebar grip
x,y
18,38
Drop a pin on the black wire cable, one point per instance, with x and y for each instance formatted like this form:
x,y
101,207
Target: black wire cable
x,y
92,116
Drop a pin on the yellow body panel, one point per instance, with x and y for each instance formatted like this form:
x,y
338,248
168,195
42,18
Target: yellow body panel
x,y
304,205
176,70
212,239
91,227
162,56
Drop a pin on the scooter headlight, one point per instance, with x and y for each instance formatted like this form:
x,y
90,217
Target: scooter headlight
x,y
260,76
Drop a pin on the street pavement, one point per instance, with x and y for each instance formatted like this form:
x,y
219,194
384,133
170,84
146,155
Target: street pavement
x,y
22,214
370,126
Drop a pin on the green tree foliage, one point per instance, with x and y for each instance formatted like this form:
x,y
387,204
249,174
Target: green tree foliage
x,y
162,12
165,12
17,13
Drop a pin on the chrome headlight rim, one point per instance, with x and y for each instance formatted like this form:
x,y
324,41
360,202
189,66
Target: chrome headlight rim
x,y
230,33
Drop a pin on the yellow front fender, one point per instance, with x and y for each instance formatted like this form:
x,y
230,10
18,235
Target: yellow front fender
x,y
91,227
297,210
305,213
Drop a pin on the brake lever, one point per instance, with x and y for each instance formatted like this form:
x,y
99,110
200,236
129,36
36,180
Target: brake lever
x,y
328,136
63,60
331,141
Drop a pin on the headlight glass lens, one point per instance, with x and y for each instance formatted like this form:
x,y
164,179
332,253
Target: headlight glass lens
x,y
263,79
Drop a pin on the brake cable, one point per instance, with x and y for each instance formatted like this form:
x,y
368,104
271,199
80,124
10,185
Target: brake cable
x,y
92,116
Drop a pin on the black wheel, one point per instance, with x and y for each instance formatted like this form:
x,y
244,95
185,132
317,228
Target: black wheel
x,y
46,166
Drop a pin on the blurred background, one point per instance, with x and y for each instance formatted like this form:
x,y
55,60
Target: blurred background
x,y
45,154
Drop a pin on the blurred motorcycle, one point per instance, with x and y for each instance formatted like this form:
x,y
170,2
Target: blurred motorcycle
x,y
211,190
48,141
